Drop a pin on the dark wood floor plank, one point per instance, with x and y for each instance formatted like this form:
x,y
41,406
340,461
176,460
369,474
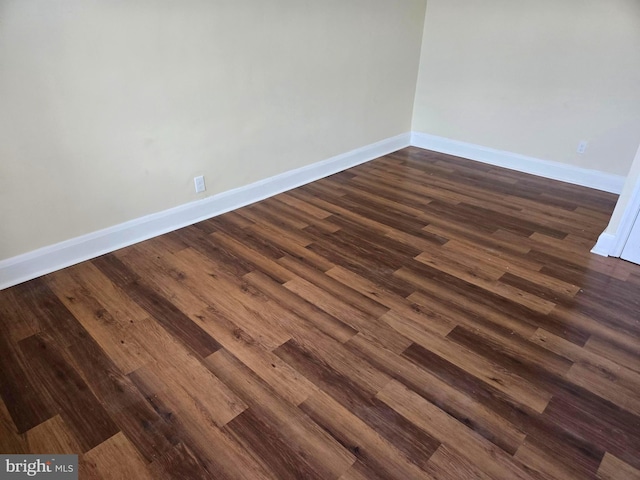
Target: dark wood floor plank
x,y
26,404
319,449
233,297
448,464
348,314
54,435
168,279
112,298
471,445
374,196
182,461
476,298
606,425
144,428
10,439
163,311
394,219
275,225
173,319
286,381
392,238
412,441
303,206
206,446
605,385
264,264
517,355
341,359
365,443
485,282
15,320
367,267
615,372
457,183
575,326
338,211
224,259
382,294
360,471
468,235
58,379
613,468
237,226
115,457
483,368
334,287
610,350
457,403
182,377
293,249
306,219
106,326
562,442
559,251
310,315
267,446
543,458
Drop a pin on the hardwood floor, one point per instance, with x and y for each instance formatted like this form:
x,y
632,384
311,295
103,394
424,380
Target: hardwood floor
x,y
419,316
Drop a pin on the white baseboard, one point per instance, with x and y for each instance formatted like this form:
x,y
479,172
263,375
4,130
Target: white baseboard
x,y
543,168
55,257
605,245
629,217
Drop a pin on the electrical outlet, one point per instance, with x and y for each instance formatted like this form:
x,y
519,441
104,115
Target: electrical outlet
x,y
582,147
199,183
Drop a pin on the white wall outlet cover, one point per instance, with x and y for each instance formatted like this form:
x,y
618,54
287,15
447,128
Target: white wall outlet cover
x,y
582,146
199,183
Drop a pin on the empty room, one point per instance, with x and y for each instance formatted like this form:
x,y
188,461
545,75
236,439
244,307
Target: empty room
x,y
323,240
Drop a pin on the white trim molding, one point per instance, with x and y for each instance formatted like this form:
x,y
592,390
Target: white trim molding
x,y
55,257
627,221
605,245
514,161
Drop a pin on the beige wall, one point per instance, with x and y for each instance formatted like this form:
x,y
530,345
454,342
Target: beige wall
x,y
108,109
534,78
